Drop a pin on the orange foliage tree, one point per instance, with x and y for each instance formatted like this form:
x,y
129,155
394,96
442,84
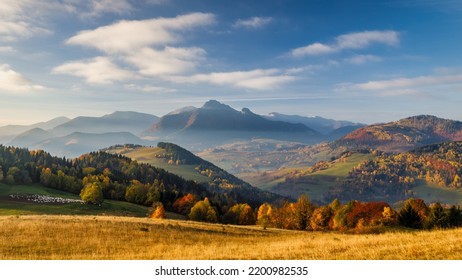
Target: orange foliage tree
x,y
184,204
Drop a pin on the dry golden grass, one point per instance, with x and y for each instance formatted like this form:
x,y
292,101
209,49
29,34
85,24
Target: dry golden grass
x,y
84,237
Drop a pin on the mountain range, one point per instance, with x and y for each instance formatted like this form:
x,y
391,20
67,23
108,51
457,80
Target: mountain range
x,y
194,128
249,145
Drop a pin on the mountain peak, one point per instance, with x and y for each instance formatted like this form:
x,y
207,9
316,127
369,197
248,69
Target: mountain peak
x,y
247,111
215,105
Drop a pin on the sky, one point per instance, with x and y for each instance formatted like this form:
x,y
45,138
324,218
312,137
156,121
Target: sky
x,y
359,60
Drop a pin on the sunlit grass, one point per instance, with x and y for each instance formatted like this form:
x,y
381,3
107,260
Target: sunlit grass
x,y
91,237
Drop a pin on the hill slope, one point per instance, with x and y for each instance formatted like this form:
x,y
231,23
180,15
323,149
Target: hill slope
x,y
179,161
403,135
432,172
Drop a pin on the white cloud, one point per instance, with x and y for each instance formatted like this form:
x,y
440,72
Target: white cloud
x,y
149,89
131,36
362,59
12,81
357,40
99,70
361,40
404,83
168,61
13,31
6,49
96,8
145,44
259,79
312,68
313,49
22,19
252,23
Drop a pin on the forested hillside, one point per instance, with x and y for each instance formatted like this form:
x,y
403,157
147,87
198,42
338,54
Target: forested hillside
x,y
116,176
393,177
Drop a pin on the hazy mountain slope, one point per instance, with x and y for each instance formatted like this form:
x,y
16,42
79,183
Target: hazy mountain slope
x,y
131,122
30,137
404,134
323,125
78,143
7,133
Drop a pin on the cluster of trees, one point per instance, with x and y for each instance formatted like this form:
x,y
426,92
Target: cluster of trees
x,y
391,177
304,215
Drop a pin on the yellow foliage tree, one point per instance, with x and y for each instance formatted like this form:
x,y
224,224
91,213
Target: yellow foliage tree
x,y
264,215
159,211
203,211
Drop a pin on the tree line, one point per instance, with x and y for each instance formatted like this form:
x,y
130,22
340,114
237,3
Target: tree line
x,y
304,215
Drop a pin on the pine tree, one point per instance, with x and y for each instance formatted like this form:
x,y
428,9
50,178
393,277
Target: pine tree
x,y
438,218
408,217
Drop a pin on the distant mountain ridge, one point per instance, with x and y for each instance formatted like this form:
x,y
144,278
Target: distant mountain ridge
x,y
8,132
118,121
77,143
320,124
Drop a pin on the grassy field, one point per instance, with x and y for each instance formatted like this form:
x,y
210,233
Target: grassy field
x,y
150,155
20,203
431,192
101,237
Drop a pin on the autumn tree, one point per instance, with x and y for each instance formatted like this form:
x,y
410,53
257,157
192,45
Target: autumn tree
x,y
340,221
335,205
246,215
136,193
240,214
184,204
389,216
303,211
419,206
321,218
285,217
159,211
366,214
204,212
264,215
92,193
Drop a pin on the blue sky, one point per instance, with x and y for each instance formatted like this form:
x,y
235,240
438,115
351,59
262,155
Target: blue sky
x,y
367,61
